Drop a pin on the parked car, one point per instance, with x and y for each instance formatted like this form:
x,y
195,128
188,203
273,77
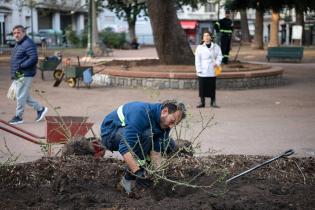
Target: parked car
x,y
9,39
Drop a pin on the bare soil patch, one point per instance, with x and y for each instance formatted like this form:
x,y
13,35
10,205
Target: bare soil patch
x,y
86,183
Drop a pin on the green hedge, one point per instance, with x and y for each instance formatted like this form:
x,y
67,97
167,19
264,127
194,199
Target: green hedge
x,y
112,39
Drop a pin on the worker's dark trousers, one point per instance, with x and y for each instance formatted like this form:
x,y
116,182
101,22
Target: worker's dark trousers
x,y
115,138
225,46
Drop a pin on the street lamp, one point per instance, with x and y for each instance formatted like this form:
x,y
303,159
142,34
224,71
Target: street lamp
x,y
32,4
90,52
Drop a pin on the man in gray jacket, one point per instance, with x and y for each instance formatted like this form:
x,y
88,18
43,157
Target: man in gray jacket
x,y
23,69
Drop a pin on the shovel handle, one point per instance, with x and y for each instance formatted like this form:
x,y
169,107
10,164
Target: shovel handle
x,y
285,154
288,153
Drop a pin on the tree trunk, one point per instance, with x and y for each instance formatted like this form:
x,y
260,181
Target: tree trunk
x,y
274,29
95,36
259,28
132,29
170,39
244,26
300,21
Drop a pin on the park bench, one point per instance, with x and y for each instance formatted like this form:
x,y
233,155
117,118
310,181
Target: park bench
x,y
288,53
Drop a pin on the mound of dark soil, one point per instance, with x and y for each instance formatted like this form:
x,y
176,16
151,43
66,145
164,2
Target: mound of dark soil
x,y
86,183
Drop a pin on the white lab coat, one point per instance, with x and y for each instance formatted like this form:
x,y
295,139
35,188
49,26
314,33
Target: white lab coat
x,y
206,58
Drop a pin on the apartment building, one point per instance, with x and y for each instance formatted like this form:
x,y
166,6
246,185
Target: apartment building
x,y
57,15
51,15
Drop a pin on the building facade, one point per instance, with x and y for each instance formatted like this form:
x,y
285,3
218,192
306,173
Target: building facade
x,y
55,16
50,15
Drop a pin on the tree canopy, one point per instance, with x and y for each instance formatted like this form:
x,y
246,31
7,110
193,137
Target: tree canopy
x,y
276,5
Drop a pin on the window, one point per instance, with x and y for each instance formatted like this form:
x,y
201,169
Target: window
x,y
209,7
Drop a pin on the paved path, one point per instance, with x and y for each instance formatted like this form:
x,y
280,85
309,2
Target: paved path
x,y
260,121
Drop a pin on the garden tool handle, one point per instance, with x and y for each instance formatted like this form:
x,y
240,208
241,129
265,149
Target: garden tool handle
x,y
285,154
288,153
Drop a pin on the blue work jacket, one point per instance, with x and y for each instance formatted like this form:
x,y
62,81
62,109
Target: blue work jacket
x,y
138,117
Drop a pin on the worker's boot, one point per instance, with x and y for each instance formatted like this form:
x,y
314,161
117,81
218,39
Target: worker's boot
x,y
202,103
129,187
126,185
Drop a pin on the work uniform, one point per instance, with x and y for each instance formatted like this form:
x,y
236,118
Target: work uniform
x,y
136,126
225,28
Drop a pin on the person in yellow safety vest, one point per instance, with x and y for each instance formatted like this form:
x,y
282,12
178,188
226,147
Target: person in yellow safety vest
x,y
225,28
140,131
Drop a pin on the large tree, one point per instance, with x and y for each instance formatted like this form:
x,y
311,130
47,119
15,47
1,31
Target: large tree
x,y
274,29
170,39
244,26
301,6
128,10
239,5
258,42
275,6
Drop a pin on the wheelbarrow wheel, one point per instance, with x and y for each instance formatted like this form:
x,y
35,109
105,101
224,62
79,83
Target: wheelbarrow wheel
x,y
57,74
72,82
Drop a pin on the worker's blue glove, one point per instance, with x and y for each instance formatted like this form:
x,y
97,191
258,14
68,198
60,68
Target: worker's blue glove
x,y
142,182
129,175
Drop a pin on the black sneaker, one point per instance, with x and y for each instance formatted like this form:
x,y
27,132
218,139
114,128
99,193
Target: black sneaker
x,y
41,114
16,120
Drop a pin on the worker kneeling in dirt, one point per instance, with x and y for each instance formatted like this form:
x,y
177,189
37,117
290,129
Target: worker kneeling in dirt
x,y
140,132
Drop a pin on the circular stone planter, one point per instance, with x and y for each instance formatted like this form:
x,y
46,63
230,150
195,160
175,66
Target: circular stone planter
x,y
234,76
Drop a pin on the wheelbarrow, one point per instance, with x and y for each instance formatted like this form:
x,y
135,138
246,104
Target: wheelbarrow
x,y
74,74
59,130
50,64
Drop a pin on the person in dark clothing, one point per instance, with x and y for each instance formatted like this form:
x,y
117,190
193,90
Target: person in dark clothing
x,y
208,56
224,27
140,131
134,44
23,69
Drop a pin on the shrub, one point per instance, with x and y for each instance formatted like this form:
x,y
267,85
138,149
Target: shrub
x,y
113,39
75,40
72,38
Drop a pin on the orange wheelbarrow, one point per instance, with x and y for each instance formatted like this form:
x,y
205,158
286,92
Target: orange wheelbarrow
x,y
59,130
